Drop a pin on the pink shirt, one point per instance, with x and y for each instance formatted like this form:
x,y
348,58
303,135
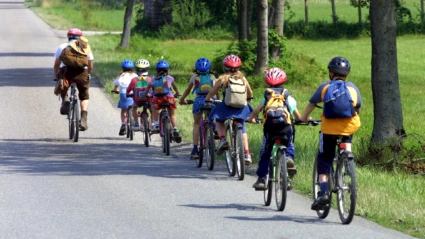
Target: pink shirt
x,y
170,80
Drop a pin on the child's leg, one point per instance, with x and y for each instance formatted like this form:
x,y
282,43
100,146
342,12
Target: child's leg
x,y
135,115
290,148
172,117
221,130
196,124
123,117
265,154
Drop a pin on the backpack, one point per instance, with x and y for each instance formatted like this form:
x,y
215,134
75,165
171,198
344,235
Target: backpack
x,y
160,86
140,89
235,92
337,101
75,54
276,110
203,84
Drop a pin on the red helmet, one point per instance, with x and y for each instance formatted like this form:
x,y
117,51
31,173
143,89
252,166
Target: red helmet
x,y
75,32
232,61
275,76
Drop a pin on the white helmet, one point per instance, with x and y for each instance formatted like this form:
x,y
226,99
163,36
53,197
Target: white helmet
x,y
142,64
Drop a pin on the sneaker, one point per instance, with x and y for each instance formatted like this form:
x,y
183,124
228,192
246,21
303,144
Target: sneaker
x,y
177,136
155,129
65,107
122,130
136,127
222,146
321,202
216,134
292,170
260,185
194,155
248,159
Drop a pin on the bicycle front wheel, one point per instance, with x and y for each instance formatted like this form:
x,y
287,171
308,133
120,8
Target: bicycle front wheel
x,y
210,148
200,160
76,120
146,129
166,124
240,155
269,191
230,161
316,189
281,186
347,189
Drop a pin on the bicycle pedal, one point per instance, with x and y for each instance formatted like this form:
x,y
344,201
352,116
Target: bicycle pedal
x,y
260,189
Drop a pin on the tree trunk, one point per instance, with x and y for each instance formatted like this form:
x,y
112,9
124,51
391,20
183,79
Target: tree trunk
x,y
334,17
422,11
125,38
242,15
249,18
278,24
359,10
262,37
388,115
306,11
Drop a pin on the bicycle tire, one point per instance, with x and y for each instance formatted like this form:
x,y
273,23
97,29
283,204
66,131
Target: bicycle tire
x,y
127,126
200,160
269,191
76,120
146,130
71,127
316,188
230,162
281,182
346,203
130,124
167,136
211,149
240,155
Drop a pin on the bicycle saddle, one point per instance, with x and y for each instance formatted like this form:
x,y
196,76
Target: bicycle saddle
x,y
206,108
164,105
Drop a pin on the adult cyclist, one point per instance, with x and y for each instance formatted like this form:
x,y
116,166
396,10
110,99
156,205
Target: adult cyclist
x,y
73,74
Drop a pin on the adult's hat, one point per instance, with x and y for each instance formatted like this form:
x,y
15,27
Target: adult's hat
x,y
81,45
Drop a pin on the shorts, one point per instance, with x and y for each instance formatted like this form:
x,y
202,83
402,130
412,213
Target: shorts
x,y
198,103
327,146
80,77
125,102
148,104
156,101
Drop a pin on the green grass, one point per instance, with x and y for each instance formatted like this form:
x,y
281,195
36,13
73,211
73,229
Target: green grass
x,y
392,199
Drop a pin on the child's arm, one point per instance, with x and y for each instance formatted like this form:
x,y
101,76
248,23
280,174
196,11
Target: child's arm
x,y
308,110
214,90
297,114
186,93
148,88
175,89
130,87
255,113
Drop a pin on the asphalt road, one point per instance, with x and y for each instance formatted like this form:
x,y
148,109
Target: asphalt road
x,y
106,186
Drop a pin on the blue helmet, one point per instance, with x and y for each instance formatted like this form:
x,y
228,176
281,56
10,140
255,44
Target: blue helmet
x,y
202,65
162,64
127,64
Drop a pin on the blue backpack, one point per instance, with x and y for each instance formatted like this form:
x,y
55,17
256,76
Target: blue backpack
x,y
203,84
337,101
160,86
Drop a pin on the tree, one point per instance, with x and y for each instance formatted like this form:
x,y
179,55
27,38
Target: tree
x,y
334,16
249,18
422,11
242,16
388,115
306,12
278,24
262,36
125,37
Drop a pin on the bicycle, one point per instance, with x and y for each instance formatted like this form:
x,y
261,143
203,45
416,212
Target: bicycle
x,y
340,182
165,128
129,121
278,171
206,138
145,124
74,114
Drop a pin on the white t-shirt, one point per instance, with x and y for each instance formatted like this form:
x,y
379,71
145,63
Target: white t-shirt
x,y
62,46
123,81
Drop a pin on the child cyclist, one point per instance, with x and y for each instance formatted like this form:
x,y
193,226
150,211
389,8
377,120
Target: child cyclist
x,y
161,84
279,125
122,81
340,117
138,87
236,90
202,81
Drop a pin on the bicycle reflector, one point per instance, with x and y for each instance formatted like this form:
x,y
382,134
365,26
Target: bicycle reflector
x,y
343,146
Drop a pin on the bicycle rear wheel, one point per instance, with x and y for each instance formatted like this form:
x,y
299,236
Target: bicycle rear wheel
x,y
316,189
71,124
200,160
167,136
146,130
269,191
130,124
281,186
230,161
76,120
210,148
347,190
240,155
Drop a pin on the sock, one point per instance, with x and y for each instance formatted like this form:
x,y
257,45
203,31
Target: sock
x,y
122,123
323,188
222,138
195,147
247,151
155,122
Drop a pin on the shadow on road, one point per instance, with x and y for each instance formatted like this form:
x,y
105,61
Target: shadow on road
x,y
61,157
297,219
26,54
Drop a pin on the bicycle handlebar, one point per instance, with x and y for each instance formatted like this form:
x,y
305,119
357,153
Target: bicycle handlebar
x,y
309,123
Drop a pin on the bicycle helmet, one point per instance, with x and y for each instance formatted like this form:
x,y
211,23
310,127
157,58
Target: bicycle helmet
x,y
74,33
162,64
340,66
142,64
275,76
127,64
202,65
232,61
